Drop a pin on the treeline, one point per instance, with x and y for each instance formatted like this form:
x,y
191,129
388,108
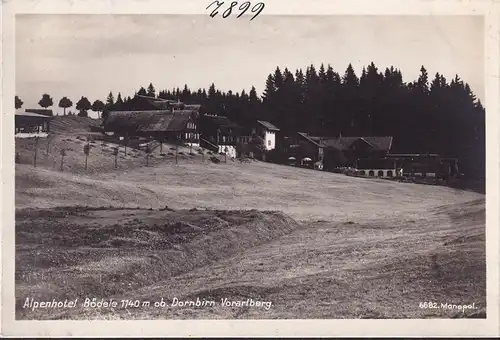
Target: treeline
x,y
428,115
83,105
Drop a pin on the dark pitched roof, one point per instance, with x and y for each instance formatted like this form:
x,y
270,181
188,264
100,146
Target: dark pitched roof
x,y
151,98
220,121
309,138
44,112
344,143
176,121
268,125
31,114
164,104
159,103
159,120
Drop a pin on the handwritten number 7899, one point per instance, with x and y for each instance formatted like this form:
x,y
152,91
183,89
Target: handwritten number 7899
x,y
257,8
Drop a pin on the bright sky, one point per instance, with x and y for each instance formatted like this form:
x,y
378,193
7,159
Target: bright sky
x,y
90,55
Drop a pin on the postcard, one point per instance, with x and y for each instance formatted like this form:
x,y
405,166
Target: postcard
x,y
250,168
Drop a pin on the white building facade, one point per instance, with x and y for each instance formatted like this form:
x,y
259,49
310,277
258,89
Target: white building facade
x,y
268,132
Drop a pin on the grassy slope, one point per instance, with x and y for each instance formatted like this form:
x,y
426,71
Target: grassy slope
x,y
101,253
71,132
365,248
302,193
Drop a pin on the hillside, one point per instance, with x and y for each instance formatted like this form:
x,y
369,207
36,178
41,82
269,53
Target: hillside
x,y
316,244
71,133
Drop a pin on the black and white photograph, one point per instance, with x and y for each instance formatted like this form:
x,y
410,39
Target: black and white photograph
x,y
237,165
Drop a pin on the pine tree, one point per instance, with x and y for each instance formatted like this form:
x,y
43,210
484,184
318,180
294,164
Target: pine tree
x,y
270,89
119,99
278,79
349,105
110,101
151,90
142,92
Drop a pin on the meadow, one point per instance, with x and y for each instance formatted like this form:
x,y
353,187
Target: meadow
x,y
316,244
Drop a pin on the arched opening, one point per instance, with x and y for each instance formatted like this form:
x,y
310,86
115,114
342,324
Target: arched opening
x,y
389,173
380,173
362,172
371,173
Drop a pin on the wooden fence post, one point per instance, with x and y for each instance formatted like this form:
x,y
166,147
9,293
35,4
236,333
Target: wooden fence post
x,y
36,150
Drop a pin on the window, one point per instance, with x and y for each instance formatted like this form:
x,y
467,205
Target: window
x,y
380,173
269,142
371,173
389,173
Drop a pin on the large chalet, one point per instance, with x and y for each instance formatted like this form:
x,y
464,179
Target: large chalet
x,y
333,152
162,120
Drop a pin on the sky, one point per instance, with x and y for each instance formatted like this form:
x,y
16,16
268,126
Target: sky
x,y
91,55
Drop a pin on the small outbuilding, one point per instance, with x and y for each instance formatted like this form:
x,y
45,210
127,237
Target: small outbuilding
x,y
30,124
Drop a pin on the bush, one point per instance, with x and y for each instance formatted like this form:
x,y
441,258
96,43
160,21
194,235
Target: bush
x,y
214,159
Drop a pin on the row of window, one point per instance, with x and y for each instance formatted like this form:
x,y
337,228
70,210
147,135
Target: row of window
x,y
191,136
242,139
380,173
191,126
